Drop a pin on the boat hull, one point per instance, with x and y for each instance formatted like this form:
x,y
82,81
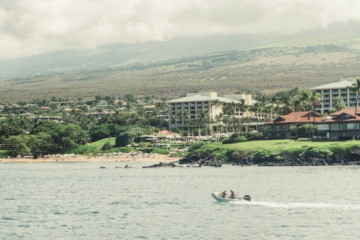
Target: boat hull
x,y
218,198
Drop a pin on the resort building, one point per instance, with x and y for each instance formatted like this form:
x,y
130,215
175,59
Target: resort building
x,y
331,91
202,109
50,118
337,124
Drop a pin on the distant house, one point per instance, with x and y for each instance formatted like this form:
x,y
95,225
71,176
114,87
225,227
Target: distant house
x,y
149,108
45,109
96,115
167,133
102,104
338,124
286,126
50,118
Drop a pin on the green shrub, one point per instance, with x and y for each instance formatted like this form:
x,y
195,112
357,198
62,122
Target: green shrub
x,y
228,141
83,149
240,139
106,146
4,153
124,139
306,130
235,140
234,135
346,138
267,155
293,153
339,150
317,152
251,136
153,150
160,151
195,146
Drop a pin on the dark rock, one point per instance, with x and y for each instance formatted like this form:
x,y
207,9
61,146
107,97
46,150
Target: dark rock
x,y
201,159
161,164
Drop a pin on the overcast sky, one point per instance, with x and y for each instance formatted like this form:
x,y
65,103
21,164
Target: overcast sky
x,y
29,27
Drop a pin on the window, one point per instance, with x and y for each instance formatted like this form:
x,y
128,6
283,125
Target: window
x,y
282,127
336,126
323,127
335,134
349,126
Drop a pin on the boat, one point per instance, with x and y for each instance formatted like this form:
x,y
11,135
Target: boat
x,y
219,198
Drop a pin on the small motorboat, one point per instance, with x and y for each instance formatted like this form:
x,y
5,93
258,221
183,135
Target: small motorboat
x,y
219,198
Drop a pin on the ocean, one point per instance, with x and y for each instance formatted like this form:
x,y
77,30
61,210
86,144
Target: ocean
x,y
82,201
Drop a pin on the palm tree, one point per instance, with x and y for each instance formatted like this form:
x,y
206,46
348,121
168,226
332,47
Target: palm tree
x,y
273,101
356,89
256,109
202,120
288,103
218,122
338,103
226,121
216,103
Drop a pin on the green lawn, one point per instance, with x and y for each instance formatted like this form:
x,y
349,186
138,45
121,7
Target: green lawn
x,y
3,153
101,142
279,144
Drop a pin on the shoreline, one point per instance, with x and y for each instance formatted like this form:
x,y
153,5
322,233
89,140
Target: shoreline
x,y
78,159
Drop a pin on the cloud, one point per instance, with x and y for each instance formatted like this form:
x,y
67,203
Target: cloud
x,y
29,27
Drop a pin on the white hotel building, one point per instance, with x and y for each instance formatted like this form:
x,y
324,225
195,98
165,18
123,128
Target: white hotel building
x,y
334,90
194,103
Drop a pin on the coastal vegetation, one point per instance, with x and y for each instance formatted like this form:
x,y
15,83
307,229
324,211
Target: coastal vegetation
x,y
285,152
125,123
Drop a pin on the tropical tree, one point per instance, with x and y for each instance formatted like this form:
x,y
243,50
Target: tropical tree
x,y
338,103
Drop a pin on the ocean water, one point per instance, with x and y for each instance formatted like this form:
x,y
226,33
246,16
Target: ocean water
x,y
82,201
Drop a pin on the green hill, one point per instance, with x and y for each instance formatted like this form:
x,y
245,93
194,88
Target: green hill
x,y
259,63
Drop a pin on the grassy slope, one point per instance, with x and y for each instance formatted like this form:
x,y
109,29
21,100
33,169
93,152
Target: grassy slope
x,y
95,148
101,142
275,68
3,153
277,144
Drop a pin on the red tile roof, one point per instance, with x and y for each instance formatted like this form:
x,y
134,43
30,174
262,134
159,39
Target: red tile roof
x,y
350,111
166,132
296,117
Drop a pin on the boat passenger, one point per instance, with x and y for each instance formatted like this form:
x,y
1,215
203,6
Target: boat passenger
x,y
232,195
224,194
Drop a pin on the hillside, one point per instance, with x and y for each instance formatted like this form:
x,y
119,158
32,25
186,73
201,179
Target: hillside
x,y
269,67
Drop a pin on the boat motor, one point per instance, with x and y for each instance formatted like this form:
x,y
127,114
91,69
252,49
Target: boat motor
x,y
247,198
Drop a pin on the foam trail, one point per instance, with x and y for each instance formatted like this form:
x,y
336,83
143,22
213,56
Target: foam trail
x,y
298,205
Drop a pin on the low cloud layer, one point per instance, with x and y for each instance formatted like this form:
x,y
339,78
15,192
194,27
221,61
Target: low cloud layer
x,y
29,27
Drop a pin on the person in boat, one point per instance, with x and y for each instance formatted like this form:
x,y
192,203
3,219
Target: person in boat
x,y
232,194
223,194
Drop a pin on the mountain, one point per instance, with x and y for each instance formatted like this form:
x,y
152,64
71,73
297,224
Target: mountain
x,y
168,69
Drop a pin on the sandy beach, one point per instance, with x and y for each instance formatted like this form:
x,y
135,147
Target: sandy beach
x,y
147,159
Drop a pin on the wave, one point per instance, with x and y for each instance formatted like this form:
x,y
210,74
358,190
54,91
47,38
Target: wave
x,y
298,205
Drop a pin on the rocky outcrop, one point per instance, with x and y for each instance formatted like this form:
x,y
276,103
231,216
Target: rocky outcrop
x,y
161,164
202,159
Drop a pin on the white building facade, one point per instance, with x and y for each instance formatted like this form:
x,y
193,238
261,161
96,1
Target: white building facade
x,y
185,112
331,91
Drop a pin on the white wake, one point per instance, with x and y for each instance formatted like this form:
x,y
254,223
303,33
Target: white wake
x,y
297,205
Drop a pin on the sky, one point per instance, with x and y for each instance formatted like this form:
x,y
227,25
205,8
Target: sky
x,y
31,27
